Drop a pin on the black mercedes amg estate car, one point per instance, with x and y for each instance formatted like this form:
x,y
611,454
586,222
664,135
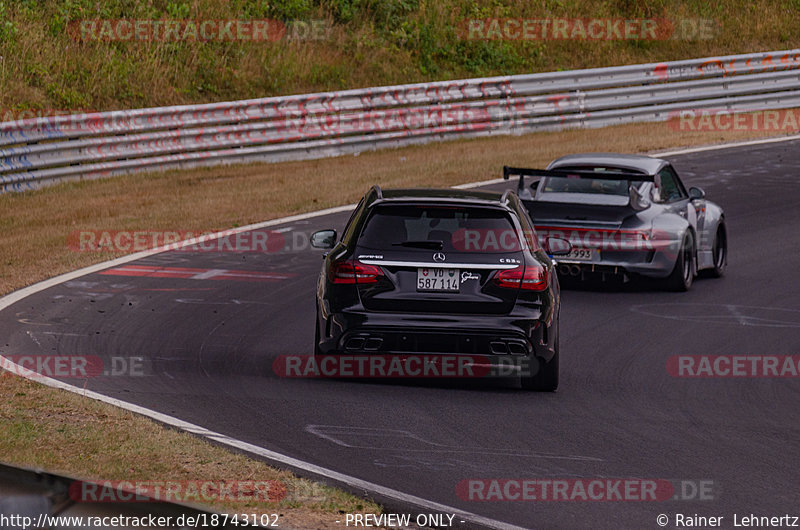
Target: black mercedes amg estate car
x,y
441,272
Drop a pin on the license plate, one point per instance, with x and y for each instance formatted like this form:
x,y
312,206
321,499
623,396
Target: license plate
x,y
441,280
580,254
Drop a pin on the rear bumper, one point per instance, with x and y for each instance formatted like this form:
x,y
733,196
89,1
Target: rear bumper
x,y
650,263
359,332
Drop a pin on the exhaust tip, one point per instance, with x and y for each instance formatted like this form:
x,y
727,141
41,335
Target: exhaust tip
x,y
498,348
363,342
355,343
373,343
517,348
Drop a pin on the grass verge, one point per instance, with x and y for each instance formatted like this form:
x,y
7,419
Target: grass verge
x,y
68,433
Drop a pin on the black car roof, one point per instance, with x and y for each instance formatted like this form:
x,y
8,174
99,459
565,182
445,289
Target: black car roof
x,y
440,195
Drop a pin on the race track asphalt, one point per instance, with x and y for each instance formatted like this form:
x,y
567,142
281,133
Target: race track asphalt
x,y
207,340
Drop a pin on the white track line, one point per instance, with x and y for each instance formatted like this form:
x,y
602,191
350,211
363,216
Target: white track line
x,y
727,146
278,457
354,482
470,185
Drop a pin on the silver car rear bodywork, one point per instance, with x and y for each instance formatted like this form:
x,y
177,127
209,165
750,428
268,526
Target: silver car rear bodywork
x,y
624,214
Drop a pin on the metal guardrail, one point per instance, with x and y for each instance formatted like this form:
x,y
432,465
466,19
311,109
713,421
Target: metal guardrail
x,y
39,151
38,499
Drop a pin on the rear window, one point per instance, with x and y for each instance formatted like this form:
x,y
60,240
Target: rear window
x,y
585,185
588,185
464,229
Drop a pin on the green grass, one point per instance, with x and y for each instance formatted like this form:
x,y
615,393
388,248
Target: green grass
x,y
367,43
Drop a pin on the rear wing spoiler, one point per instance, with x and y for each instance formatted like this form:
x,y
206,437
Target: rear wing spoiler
x,y
523,172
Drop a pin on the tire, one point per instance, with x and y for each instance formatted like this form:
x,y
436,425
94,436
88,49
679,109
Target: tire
x,y
546,379
682,275
720,252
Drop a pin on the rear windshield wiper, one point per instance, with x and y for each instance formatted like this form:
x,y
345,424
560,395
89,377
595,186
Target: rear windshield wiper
x,y
425,243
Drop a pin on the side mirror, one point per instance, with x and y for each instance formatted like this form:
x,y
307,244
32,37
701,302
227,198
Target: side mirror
x,y
696,193
526,194
637,201
323,239
556,246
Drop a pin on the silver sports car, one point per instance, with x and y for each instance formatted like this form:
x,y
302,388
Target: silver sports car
x,y
623,215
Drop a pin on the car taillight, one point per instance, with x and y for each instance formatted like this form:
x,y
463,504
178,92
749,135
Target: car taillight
x,y
530,278
354,272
